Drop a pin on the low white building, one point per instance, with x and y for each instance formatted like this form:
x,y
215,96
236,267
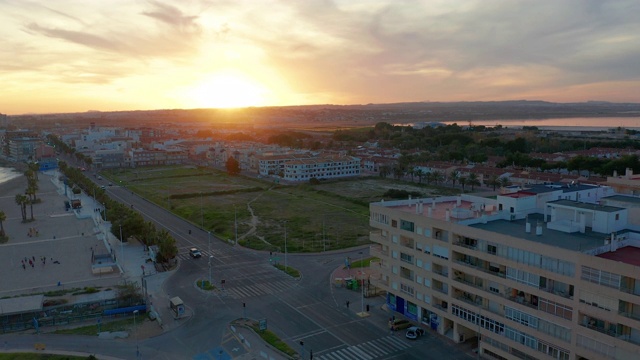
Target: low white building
x,y
329,167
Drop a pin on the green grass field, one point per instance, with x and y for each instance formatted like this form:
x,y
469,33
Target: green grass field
x,y
328,216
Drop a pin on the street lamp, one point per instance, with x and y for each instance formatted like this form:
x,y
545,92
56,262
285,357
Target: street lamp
x,y
235,222
136,330
121,249
285,246
210,257
201,213
362,284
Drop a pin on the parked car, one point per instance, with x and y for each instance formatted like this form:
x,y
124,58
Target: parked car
x,y
195,253
414,332
399,324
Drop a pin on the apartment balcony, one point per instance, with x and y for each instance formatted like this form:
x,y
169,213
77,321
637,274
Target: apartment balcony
x,y
469,298
521,297
461,279
482,268
441,272
629,315
407,276
378,252
382,284
599,328
377,237
440,287
466,245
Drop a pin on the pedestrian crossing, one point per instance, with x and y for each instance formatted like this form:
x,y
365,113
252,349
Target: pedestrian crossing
x,y
184,255
369,350
257,289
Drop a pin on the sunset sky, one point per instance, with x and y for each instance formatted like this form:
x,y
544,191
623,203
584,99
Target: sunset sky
x,y
80,55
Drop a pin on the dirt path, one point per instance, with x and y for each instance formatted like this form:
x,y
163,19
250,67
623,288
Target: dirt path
x,y
254,221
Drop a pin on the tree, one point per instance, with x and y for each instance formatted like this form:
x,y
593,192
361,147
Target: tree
x,y
462,180
167,248
473,180
22,200
384,171
493,181
34,167
437,176
233,166
32,189
3,218
420,174
454,177
504,181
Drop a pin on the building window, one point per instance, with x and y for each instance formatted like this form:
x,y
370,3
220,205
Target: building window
x,y
406,225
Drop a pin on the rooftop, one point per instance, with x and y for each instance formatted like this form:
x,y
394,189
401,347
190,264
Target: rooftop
x,y
586,206
624,198
458,210
571,241
543,188
627,254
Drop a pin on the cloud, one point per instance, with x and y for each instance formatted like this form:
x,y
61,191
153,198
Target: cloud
x,y
338,51
77,37
173,17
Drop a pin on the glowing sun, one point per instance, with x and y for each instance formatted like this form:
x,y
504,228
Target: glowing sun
x,y
227,90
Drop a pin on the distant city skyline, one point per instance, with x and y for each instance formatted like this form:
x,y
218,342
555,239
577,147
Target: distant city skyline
x,y
76,56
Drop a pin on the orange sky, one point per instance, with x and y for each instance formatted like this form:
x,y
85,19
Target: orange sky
x,y
80,55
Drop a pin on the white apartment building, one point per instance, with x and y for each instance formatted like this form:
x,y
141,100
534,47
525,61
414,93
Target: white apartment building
x,y
324,167
549,272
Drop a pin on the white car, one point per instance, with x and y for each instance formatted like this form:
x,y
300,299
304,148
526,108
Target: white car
x,y
195,253
414,332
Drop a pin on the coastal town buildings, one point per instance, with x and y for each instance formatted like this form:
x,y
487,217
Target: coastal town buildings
x,y
549,271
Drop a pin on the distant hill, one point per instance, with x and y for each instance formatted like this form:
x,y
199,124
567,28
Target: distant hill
x,y
329,115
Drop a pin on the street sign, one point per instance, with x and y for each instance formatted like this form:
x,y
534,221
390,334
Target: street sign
x,y
262,324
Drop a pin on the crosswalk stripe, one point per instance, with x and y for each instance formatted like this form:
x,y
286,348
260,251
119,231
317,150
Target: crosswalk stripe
x,y
394,342
343,354
362,354
387,342
265,288
370,349
402,344
381,349
250,291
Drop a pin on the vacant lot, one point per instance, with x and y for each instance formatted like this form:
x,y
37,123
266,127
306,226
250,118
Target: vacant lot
x,y
327,216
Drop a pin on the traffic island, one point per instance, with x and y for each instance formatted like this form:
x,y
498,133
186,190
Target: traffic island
x,y
270,338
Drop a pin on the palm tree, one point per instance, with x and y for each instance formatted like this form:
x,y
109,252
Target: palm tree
x,y
454,177
412,172
493,181
437,176
462,180
429,176
420,173
504,181
398,171
384,171
3,217
22,200
28,193
473,180
33,166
